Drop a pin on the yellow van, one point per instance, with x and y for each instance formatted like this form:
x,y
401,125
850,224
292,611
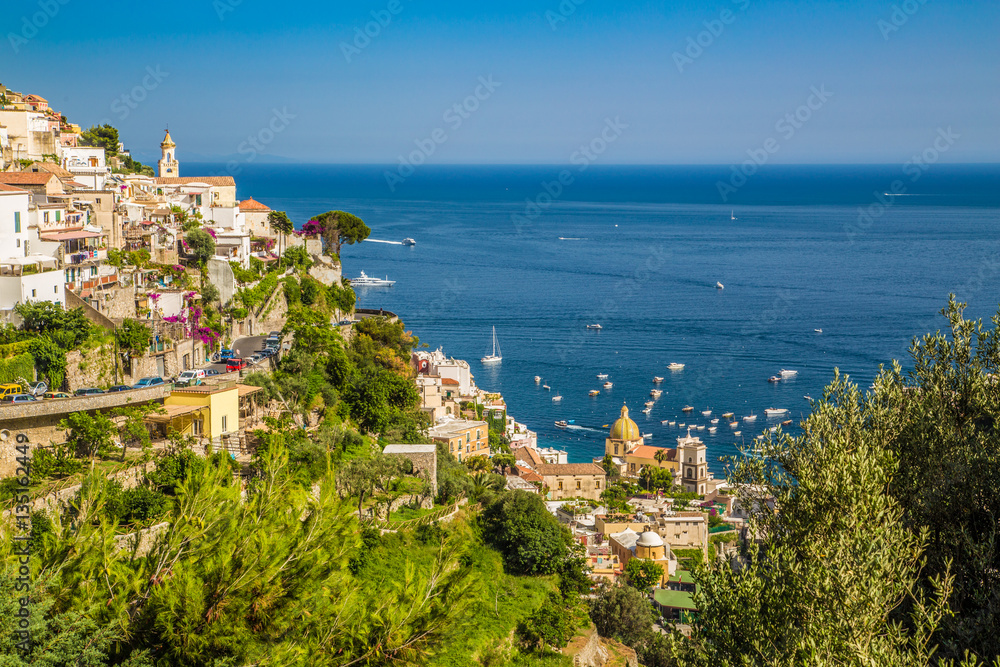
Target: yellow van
x,y
10,389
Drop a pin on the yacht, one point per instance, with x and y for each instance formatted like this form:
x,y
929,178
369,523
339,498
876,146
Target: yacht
x,y
594,392
774,378
750,418
495,357
787,373
675,366
608,385
687,408
719,285
594,326
365,280
775,412
562,424
657,379
538,378
656,393
602,376
409,241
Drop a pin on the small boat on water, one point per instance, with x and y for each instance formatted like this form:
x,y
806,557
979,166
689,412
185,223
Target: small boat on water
x,y
681,425
700,427
647,410
707,412
715,421
647,435
665,422
712,429
494,357
608,385
602,376
409,241
687,408
557,398
365,280
594,392
719,286
737,433
773,429
656,393
657,379
650,404
750,418
733,424
774,378
675,366
562,424
785,373
672,423
594,326
787,422
808,397
818,330
727,415
538,378
775,412
545,386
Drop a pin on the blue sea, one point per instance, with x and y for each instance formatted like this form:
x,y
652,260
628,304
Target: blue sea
x,y
639,250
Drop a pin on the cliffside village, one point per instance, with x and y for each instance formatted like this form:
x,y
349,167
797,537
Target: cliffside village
x,y
64,206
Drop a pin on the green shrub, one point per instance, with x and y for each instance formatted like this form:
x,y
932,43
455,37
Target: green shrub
x,y
20,366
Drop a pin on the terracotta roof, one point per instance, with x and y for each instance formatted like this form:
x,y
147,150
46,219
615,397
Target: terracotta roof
x,y
528,475
649,452
449,381
50,167
210,180
10,188
37,98
252,205
527,454
548,469
25,177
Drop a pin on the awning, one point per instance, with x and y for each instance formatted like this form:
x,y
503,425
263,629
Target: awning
x,y
246,389
69,236
173,411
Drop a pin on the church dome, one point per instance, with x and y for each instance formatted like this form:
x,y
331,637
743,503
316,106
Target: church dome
x,y
625,428
649,539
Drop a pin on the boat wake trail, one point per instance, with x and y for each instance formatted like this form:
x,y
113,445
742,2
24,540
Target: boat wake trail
x,y
571,238
380,241
574,427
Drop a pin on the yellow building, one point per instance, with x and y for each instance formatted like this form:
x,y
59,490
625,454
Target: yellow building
x,y
572,480
205,411
626,445
646,545
464,437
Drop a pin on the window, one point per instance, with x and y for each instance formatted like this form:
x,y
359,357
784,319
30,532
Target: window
x,y
98,200
560,485
58,216
19,243
34,293
196,427
17,222
198,199
55,289
224,429
93,271
597,485
45,216
577,485
468,437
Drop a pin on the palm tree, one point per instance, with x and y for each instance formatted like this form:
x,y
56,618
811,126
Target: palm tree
x,y
647,476
281,223
660,456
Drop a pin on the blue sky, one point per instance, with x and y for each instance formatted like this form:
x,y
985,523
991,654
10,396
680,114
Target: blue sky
x,y
224,67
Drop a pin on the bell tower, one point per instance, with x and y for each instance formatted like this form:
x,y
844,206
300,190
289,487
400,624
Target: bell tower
x,y
168,165
694,468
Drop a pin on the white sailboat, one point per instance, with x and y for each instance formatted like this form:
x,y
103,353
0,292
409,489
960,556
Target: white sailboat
x,y
732,214
495,357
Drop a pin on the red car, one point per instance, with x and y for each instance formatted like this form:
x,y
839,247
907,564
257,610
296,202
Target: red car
x,y
235,364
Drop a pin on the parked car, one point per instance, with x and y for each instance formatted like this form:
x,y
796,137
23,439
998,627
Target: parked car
x,y
225,354
18,398
119,387
235,364
190,378
37,388
88,391
345,323
55,394
275,334
151,381
211,371
10,389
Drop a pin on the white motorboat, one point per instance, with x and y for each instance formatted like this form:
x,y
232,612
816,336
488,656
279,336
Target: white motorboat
x,y
538,378
715,421
675,366
775,412
557,398
409,241
707,412
650,404
818,330
712,429
602,376
787,373
687,408
365,280
672,424
808,397
681,425
774,378
647,410
608,385
665,422
594,392
719,285
733,424
750,418
655,393
657,379
647,435
737,433
495,357
701,427
562,424
594,326
545,386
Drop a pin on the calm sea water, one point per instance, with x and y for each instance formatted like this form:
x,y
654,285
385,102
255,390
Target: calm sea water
x,y
639,250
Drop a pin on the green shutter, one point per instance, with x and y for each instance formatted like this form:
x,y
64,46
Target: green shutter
x,y
17,222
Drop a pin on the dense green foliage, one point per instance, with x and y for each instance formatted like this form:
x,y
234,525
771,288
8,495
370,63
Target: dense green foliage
x,y
518,525
200,245
103,136
340,227
17,367
643,574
